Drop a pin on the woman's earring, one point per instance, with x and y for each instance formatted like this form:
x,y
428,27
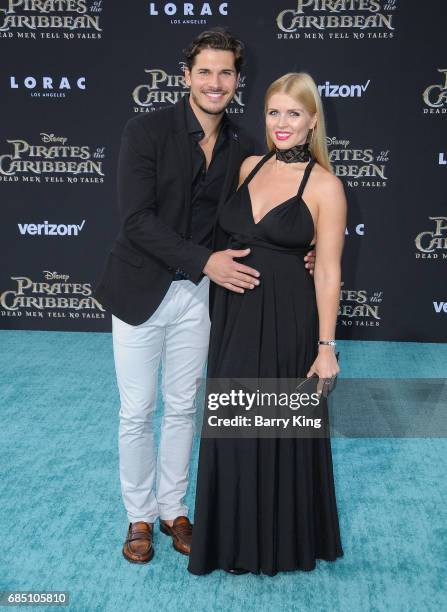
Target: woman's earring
x,y
311,139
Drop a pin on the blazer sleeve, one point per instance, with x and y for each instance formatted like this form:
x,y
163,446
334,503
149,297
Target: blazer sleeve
x,y
137,179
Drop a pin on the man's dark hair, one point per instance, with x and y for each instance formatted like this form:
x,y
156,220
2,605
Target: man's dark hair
x,y
219,39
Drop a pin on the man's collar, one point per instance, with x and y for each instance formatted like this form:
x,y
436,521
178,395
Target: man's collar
x,y
193,124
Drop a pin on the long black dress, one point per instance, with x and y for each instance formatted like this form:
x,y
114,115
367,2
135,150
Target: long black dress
x,y
265,505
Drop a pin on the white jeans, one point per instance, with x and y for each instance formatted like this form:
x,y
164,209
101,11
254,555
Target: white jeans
x,y
178,334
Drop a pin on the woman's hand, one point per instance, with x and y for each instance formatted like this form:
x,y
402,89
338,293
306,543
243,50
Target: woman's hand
x,y
326,368
325,365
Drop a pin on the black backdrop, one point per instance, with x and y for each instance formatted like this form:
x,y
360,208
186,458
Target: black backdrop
x,y
72,73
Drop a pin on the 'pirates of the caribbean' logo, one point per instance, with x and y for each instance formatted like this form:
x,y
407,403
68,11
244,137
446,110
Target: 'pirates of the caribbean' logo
x,y
435,96
429,243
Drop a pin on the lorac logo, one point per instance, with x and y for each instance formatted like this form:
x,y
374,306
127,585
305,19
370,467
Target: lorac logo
x,y
48,86
49,19
337,19
433,244
195,13
435,96
355,230
162,89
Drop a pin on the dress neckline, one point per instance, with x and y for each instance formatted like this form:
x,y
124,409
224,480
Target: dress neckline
x,y
269,211
298,195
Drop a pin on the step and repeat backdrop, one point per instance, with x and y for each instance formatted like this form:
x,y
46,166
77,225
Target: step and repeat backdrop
x,y
74,71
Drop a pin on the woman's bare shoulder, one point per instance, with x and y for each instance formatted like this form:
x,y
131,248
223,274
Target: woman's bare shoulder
x,y
326,180
248,164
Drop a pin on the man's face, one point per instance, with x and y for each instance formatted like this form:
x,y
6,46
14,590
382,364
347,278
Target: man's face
x,y
213,80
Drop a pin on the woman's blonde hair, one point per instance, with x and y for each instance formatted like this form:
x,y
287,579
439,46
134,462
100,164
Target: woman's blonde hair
x,y
301,87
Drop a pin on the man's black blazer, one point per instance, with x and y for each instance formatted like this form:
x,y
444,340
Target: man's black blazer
x,y
154,197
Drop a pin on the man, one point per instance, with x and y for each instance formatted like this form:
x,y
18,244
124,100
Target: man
x,y
176,168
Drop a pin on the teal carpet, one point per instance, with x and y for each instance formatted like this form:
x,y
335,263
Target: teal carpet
x,y
62,522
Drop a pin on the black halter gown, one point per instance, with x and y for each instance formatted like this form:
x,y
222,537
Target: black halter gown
x,y
265,505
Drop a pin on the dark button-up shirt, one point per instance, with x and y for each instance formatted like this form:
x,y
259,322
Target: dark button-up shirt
x,y
206,183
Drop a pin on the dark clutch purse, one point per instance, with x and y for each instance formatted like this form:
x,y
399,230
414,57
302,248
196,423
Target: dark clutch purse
x,y
323,386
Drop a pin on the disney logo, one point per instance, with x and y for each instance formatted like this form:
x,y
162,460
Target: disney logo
x,y
331,140
55,276
53,138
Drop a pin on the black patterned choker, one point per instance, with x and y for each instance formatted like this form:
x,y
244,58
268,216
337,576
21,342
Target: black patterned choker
x,y
298,153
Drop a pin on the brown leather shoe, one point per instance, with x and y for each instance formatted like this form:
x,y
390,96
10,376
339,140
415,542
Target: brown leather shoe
x,y
138,545
180,532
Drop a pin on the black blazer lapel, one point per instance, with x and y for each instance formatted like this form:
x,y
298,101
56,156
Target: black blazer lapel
x,y
231,176
234,162
184,151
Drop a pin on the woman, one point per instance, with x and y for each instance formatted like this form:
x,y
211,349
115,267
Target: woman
x,y
268,505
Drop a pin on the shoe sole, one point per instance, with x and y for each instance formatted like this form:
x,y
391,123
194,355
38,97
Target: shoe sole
x,y
166,532
151,556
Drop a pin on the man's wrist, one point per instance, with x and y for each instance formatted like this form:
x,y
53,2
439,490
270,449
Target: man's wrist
x,y
207,261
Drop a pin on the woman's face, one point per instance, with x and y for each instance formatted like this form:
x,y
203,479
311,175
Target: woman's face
x,y
287,121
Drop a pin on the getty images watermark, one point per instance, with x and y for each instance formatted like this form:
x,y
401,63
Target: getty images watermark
x,y
264,408
306,408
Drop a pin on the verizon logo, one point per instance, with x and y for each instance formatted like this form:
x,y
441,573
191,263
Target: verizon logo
x,y
440,307
331,90
49,229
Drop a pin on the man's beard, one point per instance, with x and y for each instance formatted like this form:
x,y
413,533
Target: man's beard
x,y
207,110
